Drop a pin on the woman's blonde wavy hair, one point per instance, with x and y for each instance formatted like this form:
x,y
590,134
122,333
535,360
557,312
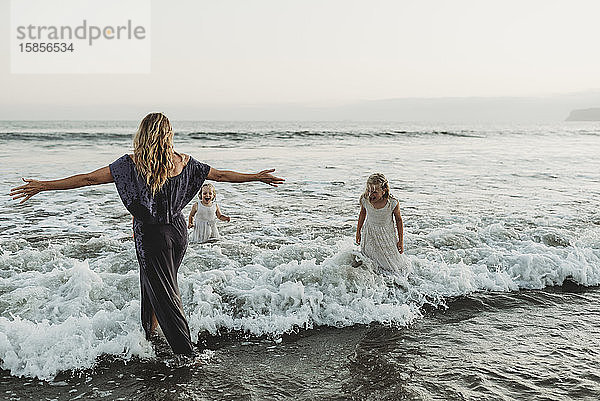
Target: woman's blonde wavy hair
x,y
153,150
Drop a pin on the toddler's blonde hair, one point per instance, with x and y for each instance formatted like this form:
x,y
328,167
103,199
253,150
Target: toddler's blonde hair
x,y
211,187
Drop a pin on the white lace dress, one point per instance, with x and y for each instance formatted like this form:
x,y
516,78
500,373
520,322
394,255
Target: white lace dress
x,y
205,223
379,238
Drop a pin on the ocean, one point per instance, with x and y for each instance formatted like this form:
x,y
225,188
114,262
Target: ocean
x,y
502,236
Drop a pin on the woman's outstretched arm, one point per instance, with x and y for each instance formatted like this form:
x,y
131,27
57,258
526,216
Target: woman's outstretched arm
x,y
233,176
100,176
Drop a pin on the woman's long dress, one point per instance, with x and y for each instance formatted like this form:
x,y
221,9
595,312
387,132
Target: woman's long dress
x,y
160,233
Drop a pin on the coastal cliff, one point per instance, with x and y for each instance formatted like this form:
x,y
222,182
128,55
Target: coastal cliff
x,y
592,114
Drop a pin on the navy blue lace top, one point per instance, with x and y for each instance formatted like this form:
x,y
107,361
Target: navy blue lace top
x,y
167,203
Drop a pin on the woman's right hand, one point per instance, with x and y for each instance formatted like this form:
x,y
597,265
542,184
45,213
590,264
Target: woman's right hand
x,y
28,190
357,238
266,177
233,176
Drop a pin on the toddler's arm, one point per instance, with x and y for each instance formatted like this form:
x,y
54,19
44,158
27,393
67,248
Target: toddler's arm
x,y
361,220
400,228
192,214
220,216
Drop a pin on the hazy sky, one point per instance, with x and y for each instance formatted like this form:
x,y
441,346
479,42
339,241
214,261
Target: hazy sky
x,y
247,52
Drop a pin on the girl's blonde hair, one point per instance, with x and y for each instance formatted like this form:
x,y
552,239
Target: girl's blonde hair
x,y
153,150
211,187
377,180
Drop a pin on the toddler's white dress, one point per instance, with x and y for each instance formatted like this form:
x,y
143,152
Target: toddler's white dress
x,y
205,224
379,238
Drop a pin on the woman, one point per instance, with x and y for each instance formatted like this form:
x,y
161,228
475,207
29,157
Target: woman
x,y
155,184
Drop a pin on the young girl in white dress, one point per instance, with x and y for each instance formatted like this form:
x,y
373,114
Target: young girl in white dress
x,y
206,213
379,231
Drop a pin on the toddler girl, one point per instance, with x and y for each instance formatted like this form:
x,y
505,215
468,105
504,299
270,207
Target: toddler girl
x,y
205,228
379,236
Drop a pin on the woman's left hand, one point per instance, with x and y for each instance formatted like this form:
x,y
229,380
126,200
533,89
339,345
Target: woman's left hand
x,y
266,177
400,247
28,190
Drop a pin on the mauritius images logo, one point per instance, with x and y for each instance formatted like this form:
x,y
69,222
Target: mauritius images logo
x,y
80,36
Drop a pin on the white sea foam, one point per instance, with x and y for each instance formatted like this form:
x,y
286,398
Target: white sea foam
x,y
296,294
64,317
59,314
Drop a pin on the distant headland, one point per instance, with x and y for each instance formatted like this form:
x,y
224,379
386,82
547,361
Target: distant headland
x,y
592,114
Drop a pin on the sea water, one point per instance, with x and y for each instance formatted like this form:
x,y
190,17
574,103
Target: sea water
x,y
502,240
